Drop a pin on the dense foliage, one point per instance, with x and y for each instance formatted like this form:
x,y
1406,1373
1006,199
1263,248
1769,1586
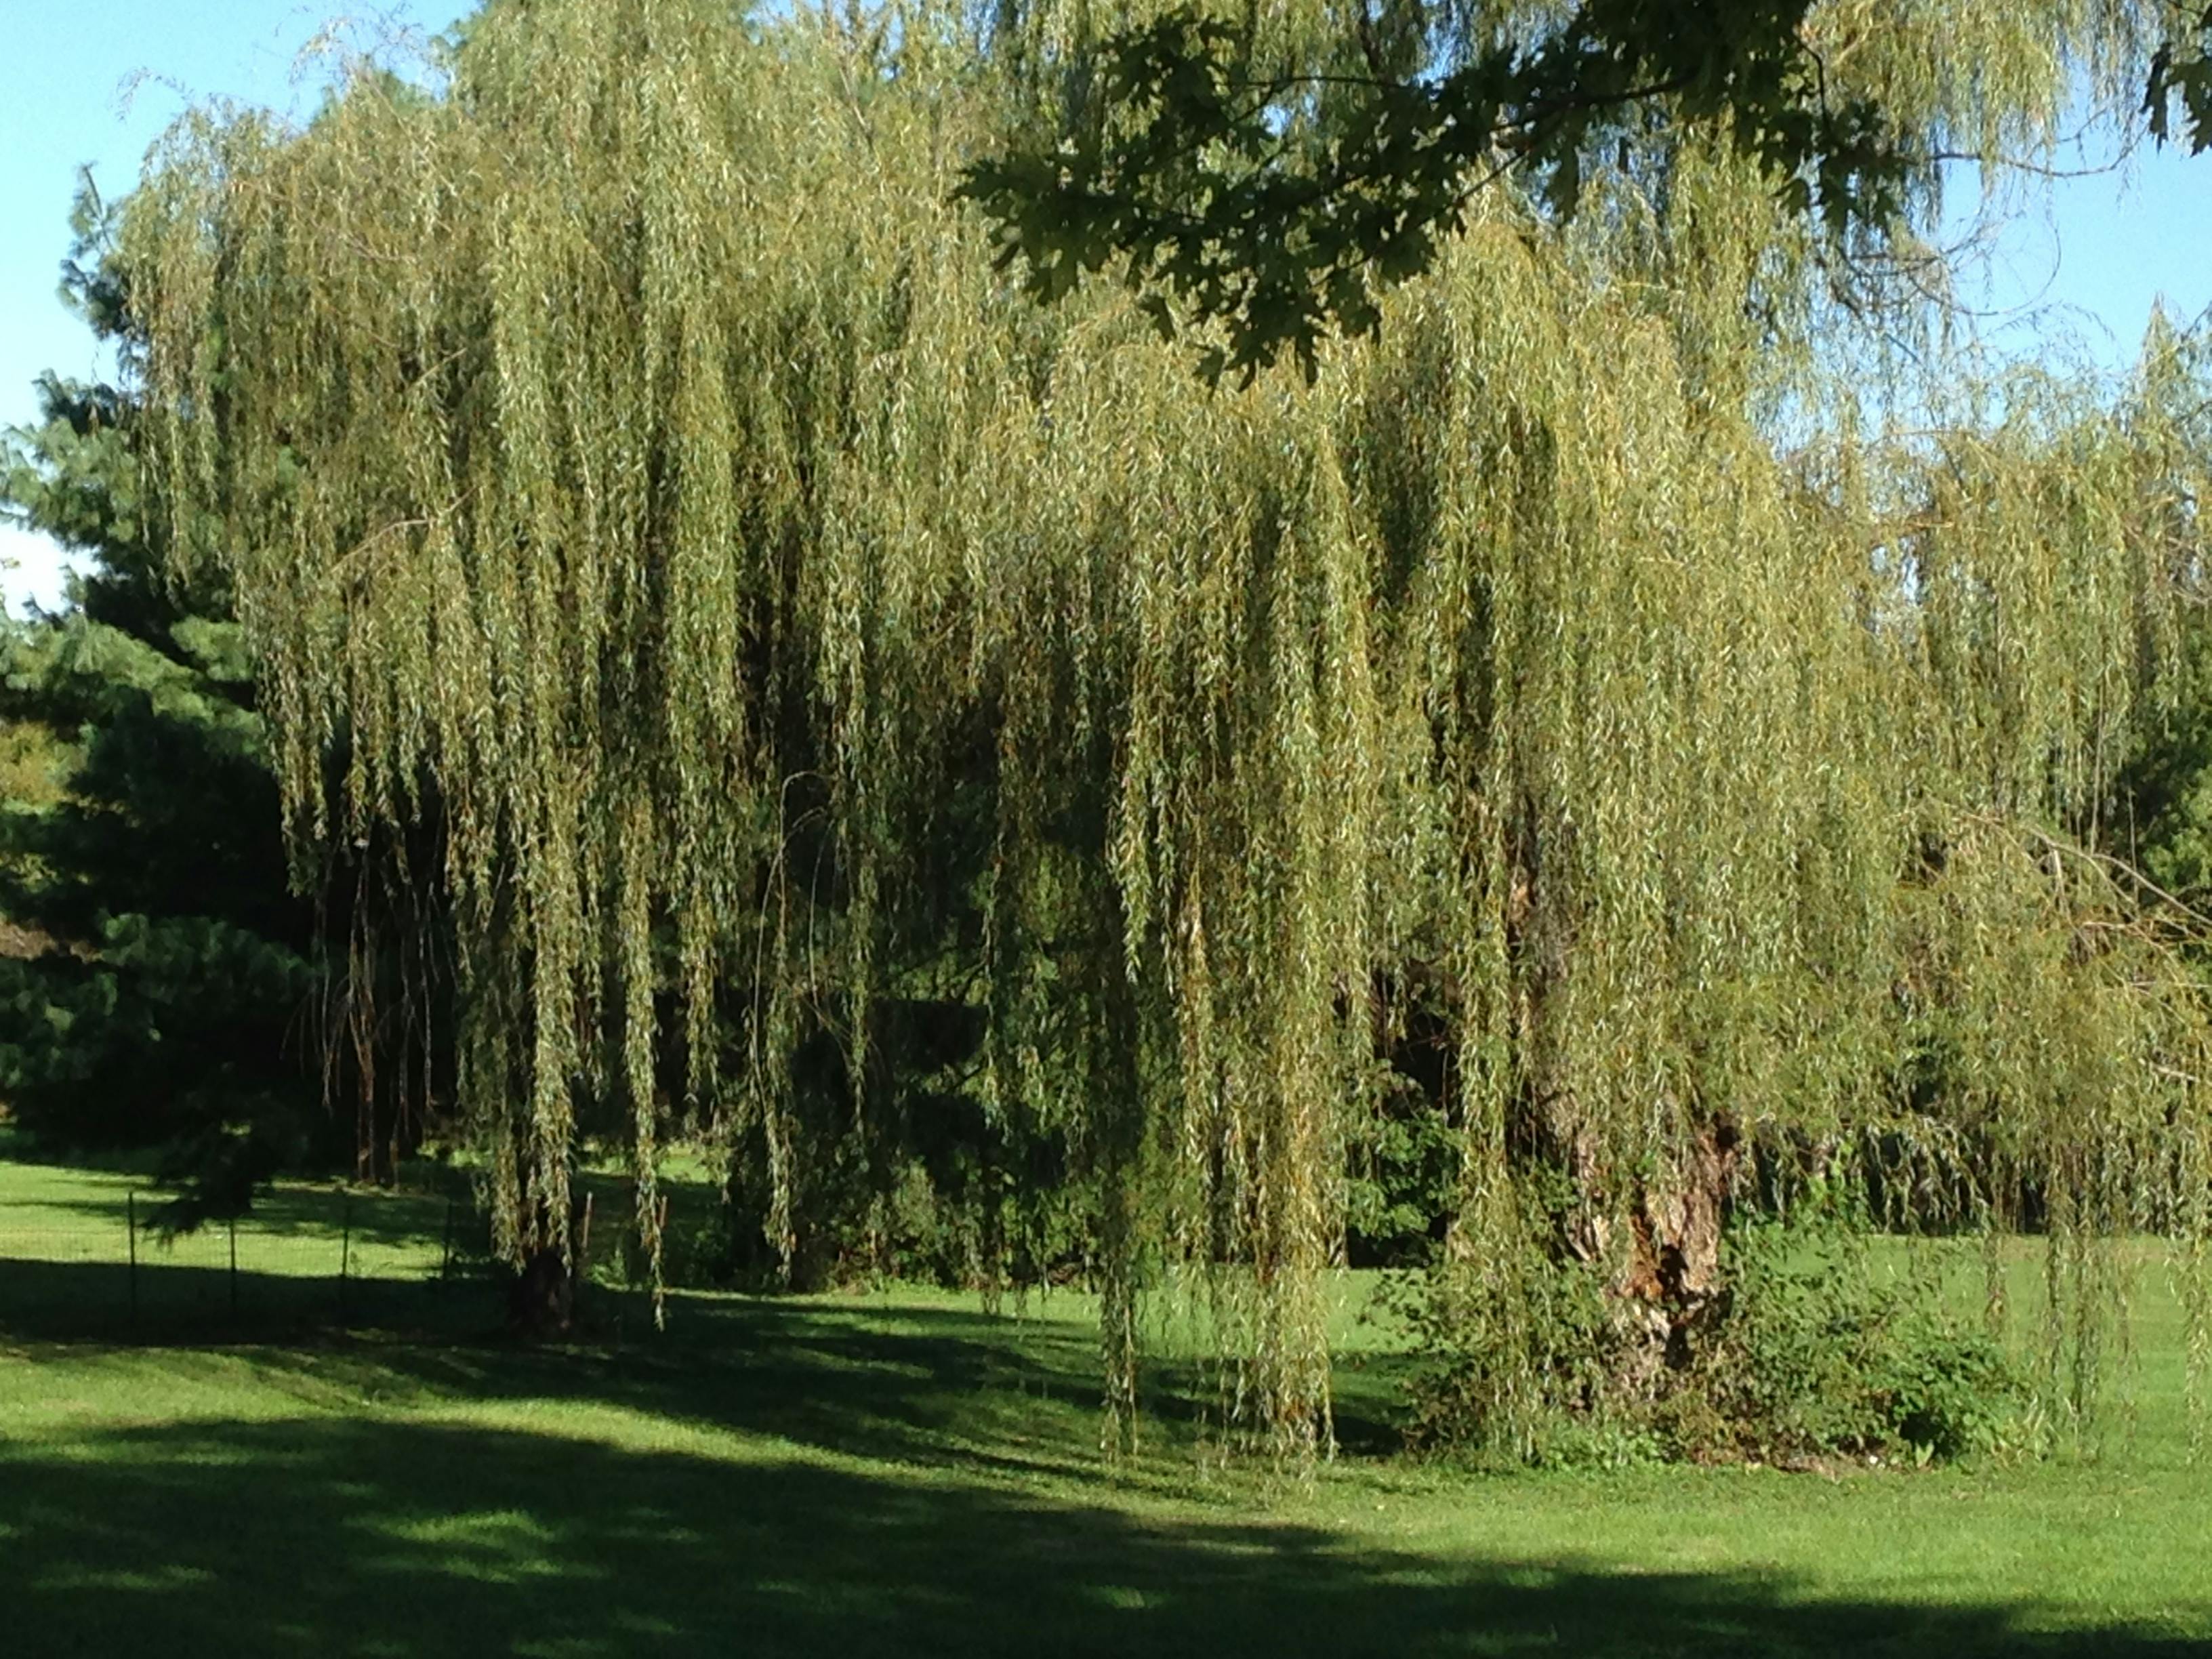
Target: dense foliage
x,y
1571,706
171,990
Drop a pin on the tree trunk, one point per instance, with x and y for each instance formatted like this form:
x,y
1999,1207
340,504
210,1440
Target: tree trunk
x,y
542,1297
1670,1283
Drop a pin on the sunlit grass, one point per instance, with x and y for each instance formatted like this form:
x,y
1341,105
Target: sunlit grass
x,y
897,1472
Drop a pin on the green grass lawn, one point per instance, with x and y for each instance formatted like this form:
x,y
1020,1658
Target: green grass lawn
x,y
901,1473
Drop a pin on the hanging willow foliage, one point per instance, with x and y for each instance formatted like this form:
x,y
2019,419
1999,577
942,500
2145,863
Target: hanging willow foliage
x,y
630,443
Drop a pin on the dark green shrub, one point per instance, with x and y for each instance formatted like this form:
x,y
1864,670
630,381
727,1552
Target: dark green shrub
x,y
1518,1357
1402,1182
1826,1340
1831,1343
1948,1389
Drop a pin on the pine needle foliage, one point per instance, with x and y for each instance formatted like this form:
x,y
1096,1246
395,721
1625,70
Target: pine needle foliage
x,y
630,437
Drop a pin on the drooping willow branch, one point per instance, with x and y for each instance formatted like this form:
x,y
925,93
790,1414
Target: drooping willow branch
x,y
755,573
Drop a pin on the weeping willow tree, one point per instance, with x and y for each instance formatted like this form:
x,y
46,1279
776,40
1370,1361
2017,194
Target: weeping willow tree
x,y
628,441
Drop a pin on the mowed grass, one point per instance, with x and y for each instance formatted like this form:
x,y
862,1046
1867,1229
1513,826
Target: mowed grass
x,y
900,1473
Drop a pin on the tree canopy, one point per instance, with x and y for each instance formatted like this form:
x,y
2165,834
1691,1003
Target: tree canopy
x,y
1262,175
172,989
628,441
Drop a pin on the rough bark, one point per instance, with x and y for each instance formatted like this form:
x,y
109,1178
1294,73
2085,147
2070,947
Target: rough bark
x,y
1670,1283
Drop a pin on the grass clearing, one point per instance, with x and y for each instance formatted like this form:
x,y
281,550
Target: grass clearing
x,y
899,1473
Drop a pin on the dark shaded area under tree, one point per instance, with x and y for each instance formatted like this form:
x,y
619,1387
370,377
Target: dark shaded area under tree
x,y
198,1525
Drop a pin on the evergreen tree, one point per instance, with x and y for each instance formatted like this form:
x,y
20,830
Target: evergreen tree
x,y
174,990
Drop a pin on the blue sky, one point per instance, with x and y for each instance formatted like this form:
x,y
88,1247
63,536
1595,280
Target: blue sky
x,y
2081,263
2082,260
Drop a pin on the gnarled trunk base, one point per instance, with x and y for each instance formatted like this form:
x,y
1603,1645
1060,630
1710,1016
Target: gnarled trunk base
x,y
1670,1285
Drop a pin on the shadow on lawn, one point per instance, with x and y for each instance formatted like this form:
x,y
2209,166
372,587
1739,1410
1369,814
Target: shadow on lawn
x,y
336,1536
166,1301
936,1385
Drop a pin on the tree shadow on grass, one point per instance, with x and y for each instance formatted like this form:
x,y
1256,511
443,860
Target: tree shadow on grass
x,y
166,1301
357,1536
932,1385
927,1384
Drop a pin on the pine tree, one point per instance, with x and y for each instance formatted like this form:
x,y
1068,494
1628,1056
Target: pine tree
x,y
182,994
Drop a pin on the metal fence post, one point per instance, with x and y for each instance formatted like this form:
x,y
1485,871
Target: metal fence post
x,y
345,1246
233,1264
130,1220
445,1247
581,1276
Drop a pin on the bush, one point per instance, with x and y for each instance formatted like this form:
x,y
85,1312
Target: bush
x,y
1402,1180
1815,1348
1821,1351
1519,1354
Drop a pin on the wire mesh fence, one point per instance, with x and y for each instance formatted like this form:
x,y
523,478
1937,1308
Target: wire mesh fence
x,y
92,1253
